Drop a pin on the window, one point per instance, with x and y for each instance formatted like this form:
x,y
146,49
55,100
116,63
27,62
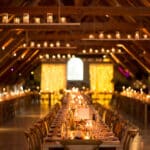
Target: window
x,y
75,69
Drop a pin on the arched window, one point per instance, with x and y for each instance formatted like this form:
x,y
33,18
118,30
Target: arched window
x,y
75,69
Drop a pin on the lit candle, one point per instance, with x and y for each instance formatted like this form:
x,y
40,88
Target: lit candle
x,y
5,18
49,18
37,20
62,19
17,20
25,18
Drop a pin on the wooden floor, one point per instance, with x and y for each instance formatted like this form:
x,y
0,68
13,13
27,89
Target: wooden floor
x,y
11,133
12,136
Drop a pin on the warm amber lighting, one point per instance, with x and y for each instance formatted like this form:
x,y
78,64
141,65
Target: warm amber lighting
x,y
109,36
63,19
51,45
101,35
17,20
83,51
45,44
129,36
37,20
32,44
38,45
118,36
102,50
137,36
49,18
91,36
26,18
5,18
50,77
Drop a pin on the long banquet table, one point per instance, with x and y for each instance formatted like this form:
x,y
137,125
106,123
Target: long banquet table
x,y
77,125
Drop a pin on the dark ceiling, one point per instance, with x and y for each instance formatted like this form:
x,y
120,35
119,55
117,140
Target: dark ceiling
x,y
87,22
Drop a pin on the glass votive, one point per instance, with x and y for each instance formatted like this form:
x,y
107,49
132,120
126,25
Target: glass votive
x,y
49,18
63,19
5,18
26,18
37,20
17,20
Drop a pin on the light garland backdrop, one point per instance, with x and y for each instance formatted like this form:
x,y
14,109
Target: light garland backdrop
x,y
53,77
101,76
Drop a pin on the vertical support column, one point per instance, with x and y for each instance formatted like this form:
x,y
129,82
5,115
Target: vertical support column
x,y
145,115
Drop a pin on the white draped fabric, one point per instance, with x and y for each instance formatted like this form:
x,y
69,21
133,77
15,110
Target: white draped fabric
x,y
101,76
53,77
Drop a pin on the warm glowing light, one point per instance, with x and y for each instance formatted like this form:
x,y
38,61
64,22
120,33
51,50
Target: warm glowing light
x,y
67,45
47,56
26,18
40,56
32,44
3,47
113,50
51,45
32,72
49,18
17,20
109,36
101,35
24,44
57,44
63,56
58,56
5,18
14,54
119,50
102,50
63,20
45,44
91,50
37,20
145,36
107,50
137,36
129,36
96,50
53,56
91,36
69,56
118,35
38,45
75,69
83,51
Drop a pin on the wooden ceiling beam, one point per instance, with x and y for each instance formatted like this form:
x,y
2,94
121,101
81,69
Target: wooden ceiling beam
x,y
71,10
72,26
